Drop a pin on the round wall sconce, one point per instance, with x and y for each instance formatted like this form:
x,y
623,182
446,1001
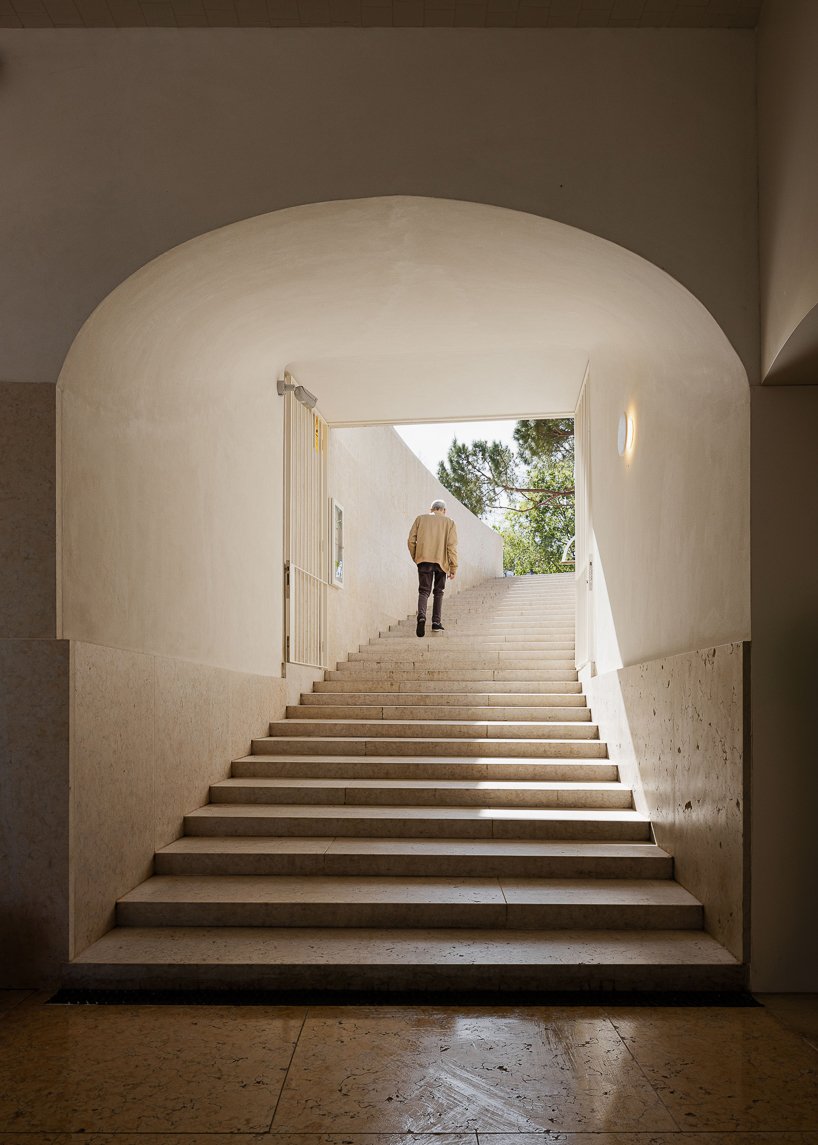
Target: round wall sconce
x,y
624,434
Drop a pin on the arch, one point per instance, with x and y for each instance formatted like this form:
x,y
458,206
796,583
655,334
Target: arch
x,y
383,306
390,309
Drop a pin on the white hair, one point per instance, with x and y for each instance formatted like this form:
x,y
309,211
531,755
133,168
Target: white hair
x,y
438,505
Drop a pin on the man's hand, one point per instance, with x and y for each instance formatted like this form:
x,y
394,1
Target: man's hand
x,y
450,575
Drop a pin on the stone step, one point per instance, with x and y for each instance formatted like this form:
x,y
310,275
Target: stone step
x,y
486,858
491,688
379,674
445,640
408,903
421,792
421,822
498,630
446,659
397,767
440,729
404,745
432,711
544,702
547,612
355,960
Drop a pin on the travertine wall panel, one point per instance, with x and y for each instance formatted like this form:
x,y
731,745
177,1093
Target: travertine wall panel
x,y
113,793
677,728
34,810
150,734
28,542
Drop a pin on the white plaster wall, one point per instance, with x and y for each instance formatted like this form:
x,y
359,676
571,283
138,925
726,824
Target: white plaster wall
x,y
788,172
120,144
171,490
671,519
678,729
383,487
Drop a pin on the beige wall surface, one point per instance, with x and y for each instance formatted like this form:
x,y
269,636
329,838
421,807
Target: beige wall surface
x,y
677,729
785,685
788,175
670,518
34,810
654,149
149,735
383,487
27,511
172,515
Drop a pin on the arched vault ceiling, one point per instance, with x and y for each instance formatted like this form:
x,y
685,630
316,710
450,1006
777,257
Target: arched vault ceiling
x,y
395,309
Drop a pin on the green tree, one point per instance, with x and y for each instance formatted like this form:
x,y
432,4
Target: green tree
x,y
477,473
532,487
536,530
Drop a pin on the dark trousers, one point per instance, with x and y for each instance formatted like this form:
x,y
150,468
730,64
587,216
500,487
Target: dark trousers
x,y
427,575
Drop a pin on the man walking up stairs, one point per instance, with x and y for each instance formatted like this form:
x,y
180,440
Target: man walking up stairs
x,y
437,814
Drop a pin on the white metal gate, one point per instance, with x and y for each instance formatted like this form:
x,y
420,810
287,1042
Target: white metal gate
x,y
584,548
306,440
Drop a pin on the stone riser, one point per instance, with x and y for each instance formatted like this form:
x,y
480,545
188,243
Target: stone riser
x,y
439,793
382,658
482,629
506,701
413,822
419,858
476,643
470,687
431,710
377,675
440,729
372,767
526,748
408,916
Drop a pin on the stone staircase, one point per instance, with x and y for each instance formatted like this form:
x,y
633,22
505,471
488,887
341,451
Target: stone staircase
x,y
439,813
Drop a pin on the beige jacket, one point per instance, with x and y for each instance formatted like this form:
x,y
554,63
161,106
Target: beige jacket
x,y
433,537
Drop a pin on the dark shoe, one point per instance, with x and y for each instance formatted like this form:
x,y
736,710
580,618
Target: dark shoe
x,y
437,627
421,628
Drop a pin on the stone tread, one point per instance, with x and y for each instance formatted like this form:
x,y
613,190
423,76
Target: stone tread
x,y
429,747
430,711
408,902
462,729
446,767
340,889
399,791
383,959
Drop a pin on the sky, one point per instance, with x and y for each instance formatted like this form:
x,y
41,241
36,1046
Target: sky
x,y
431,442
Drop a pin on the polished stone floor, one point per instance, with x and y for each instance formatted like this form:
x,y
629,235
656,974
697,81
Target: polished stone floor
x,y
320,1075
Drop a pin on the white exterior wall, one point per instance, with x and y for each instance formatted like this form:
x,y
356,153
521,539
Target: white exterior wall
x,y
383,487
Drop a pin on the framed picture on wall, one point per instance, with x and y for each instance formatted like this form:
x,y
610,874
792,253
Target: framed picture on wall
x,y
336,548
